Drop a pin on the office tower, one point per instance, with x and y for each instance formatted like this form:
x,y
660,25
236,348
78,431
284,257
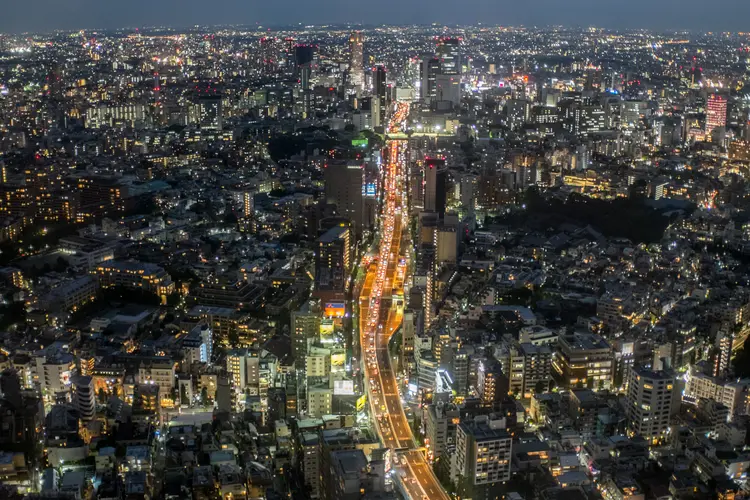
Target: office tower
x,y
425,276
305,327
416,186
447,91
482,459
449,53
344,181
332,261
379,104
270,48
407,340
651,397
54,81
431,166
84,399
460,369
630,113
492,384
435,189
356,58
431,68
304,56
716,112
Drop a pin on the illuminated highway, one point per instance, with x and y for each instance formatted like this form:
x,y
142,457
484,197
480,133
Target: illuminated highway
x,y
380,315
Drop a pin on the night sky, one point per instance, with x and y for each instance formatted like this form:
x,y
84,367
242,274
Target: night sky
x,y
44,15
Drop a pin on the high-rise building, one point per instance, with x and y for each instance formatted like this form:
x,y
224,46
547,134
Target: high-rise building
x,y
243,365
723,351
344,182
482,459
447,91
435,185
407,340
425,273
440,427
319,401
309,451
716,112
84,398
332,262
305,327
379,103
247,204
209,113
449,52
304,57
730,393
492,384
527,365
270,49
431,68
356,60
651,398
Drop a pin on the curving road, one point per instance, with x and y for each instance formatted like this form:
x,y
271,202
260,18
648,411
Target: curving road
x,y
380,315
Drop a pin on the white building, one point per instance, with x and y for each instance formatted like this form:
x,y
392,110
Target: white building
x,y
731,394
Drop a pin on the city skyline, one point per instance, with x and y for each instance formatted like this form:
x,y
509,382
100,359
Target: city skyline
x,y
659,15
349,262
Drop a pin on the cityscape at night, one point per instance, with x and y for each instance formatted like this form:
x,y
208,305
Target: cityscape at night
x,y
374,262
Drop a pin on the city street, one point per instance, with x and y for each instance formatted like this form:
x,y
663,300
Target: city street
x,y
380,317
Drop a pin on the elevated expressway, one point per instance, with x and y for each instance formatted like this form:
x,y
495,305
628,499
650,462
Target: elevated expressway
x,y
380,315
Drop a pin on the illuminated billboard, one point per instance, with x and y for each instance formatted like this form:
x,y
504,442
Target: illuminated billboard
x,y
338,358
361,402
334,309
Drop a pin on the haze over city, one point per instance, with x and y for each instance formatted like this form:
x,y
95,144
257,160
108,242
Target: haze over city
x,y
47,15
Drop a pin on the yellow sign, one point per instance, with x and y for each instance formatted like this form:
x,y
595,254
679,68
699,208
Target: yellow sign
x,y
361,402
